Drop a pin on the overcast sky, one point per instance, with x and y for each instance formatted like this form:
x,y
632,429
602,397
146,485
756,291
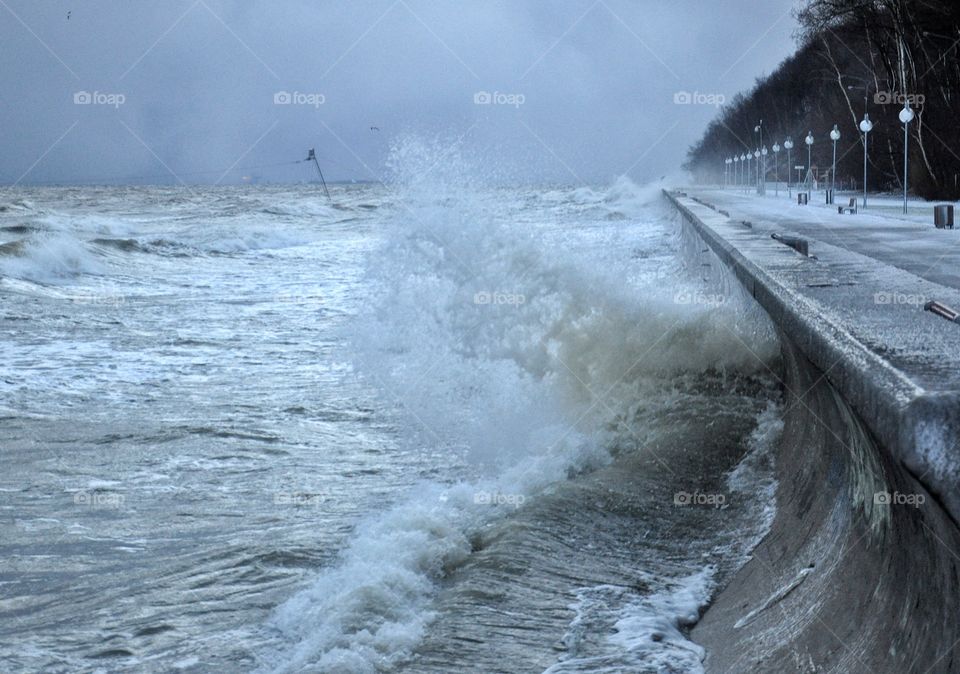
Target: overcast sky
x,y
579,90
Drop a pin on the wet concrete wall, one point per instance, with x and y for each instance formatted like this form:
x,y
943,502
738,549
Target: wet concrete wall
x,y
844,581
861,569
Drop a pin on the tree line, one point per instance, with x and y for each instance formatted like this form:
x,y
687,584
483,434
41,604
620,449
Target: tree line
x,y
856,57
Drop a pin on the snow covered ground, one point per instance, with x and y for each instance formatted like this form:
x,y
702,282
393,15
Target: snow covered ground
x,y
919,211
882,231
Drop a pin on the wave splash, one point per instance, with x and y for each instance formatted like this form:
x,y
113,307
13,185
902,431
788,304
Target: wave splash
x,y
510,350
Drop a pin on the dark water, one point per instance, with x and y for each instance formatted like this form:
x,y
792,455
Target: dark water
x,y
429,428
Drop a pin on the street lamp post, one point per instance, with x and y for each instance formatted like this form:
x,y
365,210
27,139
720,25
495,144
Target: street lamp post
x,y
761,166
788,143
809,141
748,177
866,126
906,116
776,168
756,158
834,136
763,175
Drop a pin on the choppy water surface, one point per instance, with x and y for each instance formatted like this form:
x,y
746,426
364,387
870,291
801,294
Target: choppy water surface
x,y
432,427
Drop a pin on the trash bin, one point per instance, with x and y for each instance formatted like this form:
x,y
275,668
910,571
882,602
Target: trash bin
x,y
803,199
829,195
943,216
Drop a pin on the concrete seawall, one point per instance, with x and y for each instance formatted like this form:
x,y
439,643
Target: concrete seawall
x,y
897,365
847,581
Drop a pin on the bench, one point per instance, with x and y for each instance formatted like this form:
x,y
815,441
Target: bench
x,y
852,207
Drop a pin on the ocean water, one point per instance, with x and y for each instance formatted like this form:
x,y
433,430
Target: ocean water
x,y
429,426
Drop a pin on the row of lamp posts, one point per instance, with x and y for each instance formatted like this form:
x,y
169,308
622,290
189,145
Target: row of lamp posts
x,y
736,172
733,175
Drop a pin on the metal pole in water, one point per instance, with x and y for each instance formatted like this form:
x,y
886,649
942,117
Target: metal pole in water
x,y
313,156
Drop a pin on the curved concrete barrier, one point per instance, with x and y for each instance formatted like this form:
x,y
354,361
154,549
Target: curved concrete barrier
x,y
861,569
859,572
897,365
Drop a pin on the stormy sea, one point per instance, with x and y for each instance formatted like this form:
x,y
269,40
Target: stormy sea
x,y
435,424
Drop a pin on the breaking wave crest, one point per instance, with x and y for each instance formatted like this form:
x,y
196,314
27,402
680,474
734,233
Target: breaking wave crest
x,y
48,258
494,338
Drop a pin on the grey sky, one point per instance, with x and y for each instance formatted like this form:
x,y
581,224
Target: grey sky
x,y
586,88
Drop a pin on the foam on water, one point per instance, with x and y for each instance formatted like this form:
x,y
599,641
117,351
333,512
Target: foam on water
x,y
302,208
646,630
754,475
646,634
57,248
187,341
251,238
50,258
492,348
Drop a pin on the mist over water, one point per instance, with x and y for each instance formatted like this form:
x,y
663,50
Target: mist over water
x,y
433,426
515,332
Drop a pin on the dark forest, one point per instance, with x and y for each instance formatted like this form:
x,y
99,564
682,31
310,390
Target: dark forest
x,y
856,57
